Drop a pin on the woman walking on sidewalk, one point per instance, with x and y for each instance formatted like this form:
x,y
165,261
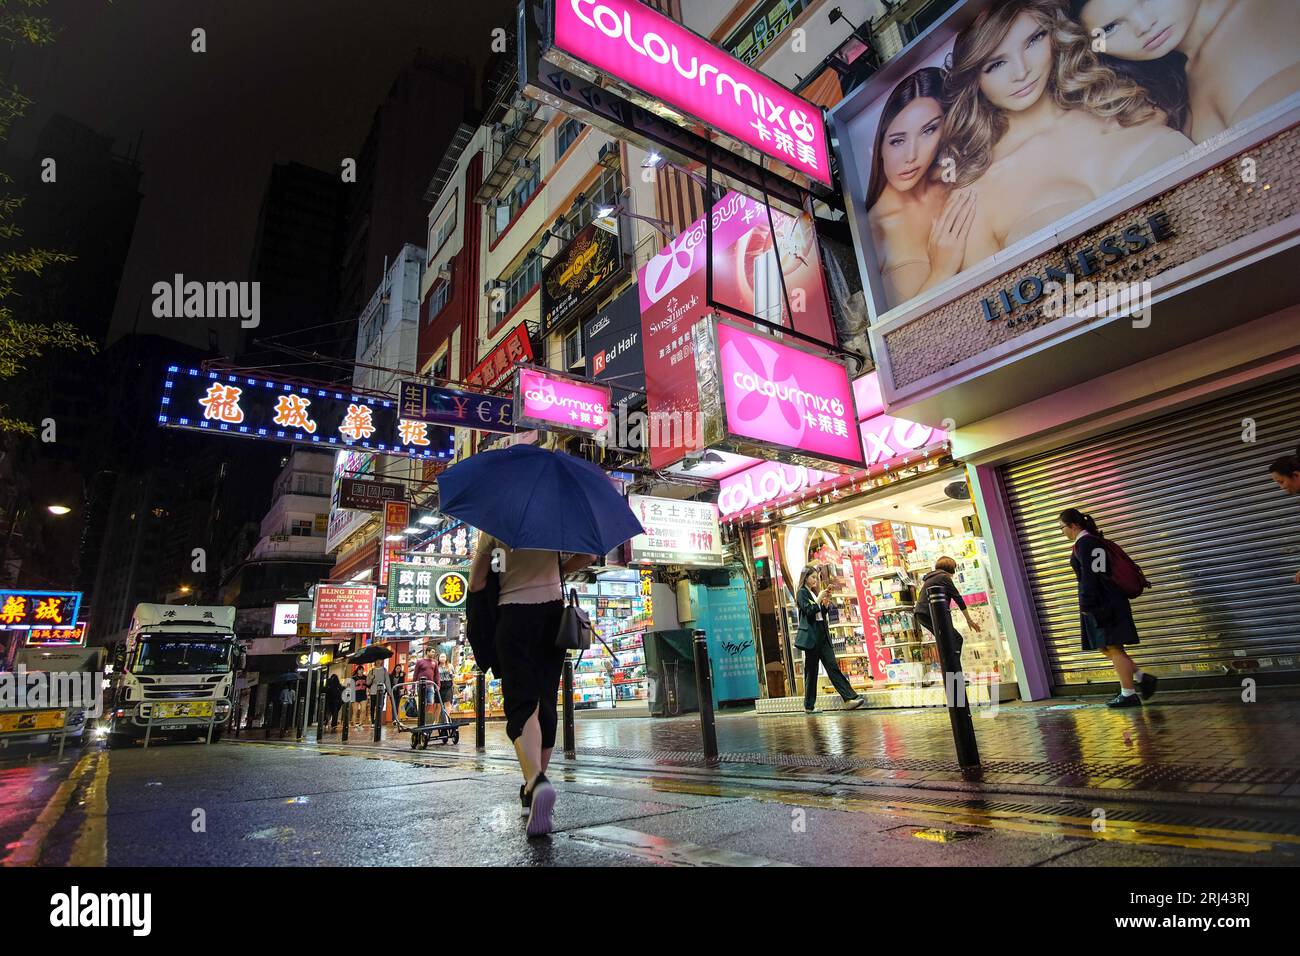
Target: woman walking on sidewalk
x,y
528,661
1106,619
814,638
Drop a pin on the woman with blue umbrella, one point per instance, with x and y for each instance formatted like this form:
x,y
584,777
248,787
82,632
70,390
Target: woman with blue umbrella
x,y
542,515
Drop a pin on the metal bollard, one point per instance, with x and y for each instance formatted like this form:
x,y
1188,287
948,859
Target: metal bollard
x,y
379,713
421,689
480,710
570,747
704,688
954,681
347,718
320,714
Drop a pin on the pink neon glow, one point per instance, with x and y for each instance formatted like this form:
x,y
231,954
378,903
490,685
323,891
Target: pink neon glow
x,y
787,397
659,56
866,395
562,402
886,439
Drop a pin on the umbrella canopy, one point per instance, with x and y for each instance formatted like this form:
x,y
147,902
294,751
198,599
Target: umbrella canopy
x,y
369,654
531,498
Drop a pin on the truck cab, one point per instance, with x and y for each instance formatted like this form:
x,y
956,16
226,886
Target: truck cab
x,y
176,674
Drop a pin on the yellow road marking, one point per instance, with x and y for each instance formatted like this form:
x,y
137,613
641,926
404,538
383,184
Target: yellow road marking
x,y
28,850
91,848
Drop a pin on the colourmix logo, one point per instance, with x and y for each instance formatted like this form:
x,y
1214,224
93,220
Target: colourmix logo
x,y
664,59
75,909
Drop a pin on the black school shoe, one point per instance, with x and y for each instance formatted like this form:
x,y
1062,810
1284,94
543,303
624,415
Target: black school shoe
x,y
1125,700
541,803
1147,686
525,800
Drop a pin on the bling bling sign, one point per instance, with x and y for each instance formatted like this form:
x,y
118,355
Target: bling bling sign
x,y
664,61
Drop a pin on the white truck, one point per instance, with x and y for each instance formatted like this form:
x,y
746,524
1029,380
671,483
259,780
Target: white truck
x,y
176,675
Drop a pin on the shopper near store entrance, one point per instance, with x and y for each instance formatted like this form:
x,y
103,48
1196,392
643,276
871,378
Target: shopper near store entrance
x,y
941,577
446,686
1106,619
333,701
1286,472
814,638
529,608
358,692
425,674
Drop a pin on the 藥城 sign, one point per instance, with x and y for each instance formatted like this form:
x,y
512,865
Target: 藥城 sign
x,y
547,399
422,587
40,609
676,532
344,608
455,408
248,407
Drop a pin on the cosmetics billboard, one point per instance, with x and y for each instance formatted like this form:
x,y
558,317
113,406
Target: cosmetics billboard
x,y
1011,116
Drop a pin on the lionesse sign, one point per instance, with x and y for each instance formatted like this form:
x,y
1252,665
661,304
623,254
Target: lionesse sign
x,y
588,265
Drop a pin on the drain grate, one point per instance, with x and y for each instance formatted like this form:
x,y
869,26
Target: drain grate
x,y
1060,772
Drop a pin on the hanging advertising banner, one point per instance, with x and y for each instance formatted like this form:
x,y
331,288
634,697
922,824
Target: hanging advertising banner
x,y
246,407
344,522
342,608
877,654
655,60
397,518
581,273
454,408
363,495
514,348
553,400
21,610
408,625
420,587
723,615
284,620
770,399
676,532
58,636
611,342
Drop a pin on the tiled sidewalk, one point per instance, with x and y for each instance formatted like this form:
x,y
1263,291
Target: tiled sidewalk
x,y
1181,742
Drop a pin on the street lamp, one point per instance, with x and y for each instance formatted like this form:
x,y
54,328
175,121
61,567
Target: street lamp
x,y
58,510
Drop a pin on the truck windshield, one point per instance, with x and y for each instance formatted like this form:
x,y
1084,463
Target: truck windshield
x,y
174,654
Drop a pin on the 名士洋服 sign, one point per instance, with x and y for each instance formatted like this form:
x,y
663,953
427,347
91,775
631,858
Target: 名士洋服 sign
x,y
676,532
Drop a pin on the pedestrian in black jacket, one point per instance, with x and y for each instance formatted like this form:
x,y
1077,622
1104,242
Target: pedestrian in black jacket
x,y
941,577
814,639
1105,617
1286,472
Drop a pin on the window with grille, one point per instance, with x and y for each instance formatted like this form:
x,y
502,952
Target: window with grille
x,y
301,529
438,299
565,136
573,354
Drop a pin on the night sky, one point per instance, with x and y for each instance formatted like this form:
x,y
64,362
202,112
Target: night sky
x,y
281,80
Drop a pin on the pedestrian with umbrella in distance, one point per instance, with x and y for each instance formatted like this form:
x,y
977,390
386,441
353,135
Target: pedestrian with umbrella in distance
x,y
541,515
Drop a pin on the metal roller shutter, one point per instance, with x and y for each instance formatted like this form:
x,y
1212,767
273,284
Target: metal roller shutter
x,y
1192,502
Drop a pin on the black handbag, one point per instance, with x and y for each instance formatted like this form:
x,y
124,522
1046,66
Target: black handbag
x,y
575,632
481,623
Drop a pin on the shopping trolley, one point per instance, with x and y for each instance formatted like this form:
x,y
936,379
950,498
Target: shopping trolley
x,y
406,715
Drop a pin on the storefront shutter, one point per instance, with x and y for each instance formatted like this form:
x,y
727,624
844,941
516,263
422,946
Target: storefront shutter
x,y
1190,499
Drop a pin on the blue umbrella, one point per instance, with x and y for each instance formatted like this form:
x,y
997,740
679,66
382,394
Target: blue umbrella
x,y
531,498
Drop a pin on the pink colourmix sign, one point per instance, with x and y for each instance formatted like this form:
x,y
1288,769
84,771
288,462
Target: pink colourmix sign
x,y
545,399
660,57
784,396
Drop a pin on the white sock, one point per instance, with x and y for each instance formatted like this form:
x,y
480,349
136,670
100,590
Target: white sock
x,y
1137,674
1127,691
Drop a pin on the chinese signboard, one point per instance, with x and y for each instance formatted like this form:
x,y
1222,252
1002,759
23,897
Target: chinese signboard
x,y
344,608
363,495
397,518
547,399
611,341
39,609
649,53
584,270
515,347
57,636
676,532
455,408
421,587
246,407
402,625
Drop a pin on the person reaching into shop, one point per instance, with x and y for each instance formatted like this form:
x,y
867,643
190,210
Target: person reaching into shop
x,y
1286,472
529,609
941,577
1106,619
814,639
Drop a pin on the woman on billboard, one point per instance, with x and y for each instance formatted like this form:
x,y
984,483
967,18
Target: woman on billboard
x,y
1038,125
1239,55
919,226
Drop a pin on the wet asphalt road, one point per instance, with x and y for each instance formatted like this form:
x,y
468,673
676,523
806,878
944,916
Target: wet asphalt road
x,y
247,803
